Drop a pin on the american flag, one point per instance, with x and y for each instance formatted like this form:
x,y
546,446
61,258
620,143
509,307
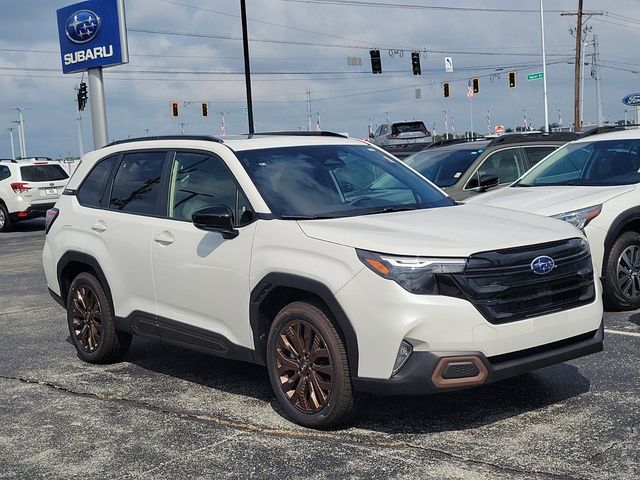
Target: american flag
x,y
469,89
318,125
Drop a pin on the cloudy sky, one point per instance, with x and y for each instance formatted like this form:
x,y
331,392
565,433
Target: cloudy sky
x,y
189,51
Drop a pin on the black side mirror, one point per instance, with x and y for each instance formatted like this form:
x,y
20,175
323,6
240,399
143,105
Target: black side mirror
x,y
218,218
486,182
371,135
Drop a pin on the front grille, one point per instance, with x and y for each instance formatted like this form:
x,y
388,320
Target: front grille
x,y
504,288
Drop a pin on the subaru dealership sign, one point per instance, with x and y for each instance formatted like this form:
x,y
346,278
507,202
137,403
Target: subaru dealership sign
x,y
92,34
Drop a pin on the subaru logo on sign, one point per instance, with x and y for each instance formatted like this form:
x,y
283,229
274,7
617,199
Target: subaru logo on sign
x,y
542,265
82,26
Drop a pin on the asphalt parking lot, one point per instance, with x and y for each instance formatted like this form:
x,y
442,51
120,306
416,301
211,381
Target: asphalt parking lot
x,y
170,413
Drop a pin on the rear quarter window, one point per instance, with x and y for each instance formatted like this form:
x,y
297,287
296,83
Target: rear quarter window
x,y
93,187
43,173
4,172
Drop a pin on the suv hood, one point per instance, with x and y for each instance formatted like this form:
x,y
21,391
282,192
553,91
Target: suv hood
x,y
550,200
456,231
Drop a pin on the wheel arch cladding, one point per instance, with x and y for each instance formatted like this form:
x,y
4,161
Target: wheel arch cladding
x,y
629,220
73,263
276,290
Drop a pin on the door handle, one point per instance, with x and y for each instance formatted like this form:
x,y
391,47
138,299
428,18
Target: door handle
x,y
164,238
99,227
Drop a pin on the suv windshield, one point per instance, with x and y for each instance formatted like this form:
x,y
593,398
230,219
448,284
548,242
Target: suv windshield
x,y
598,163
443,168
324,181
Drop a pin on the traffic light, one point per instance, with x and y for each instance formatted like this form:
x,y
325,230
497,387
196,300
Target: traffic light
x,y
174,109
512,79
376,63
82,96
476,85
445,89
205,109
415,63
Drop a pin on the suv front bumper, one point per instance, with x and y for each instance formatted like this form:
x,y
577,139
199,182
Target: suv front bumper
x,y
423,372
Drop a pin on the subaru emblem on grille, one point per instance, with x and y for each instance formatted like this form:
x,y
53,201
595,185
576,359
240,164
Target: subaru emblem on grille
x,y
542,265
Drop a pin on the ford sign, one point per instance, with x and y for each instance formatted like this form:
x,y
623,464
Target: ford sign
x,y
542,265
632,99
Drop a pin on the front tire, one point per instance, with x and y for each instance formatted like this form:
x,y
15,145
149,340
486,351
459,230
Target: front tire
x,y
622,281
91,325
308,367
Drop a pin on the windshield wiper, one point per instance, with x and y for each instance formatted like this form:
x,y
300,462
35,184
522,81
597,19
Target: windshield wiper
x,y
305,217
397,208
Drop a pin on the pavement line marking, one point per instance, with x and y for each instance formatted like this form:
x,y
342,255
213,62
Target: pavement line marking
x,y
617,332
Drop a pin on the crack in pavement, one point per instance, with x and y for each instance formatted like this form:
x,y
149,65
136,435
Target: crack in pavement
x,y
495,466
219,421
351,440
626,438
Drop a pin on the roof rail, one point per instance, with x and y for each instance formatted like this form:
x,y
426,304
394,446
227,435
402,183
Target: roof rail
x,y
605,129
299,133
534,137
12,160
207,138
453,141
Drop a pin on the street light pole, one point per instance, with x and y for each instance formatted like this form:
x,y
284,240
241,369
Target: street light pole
x,y
13,150
20,144
544,70
23,142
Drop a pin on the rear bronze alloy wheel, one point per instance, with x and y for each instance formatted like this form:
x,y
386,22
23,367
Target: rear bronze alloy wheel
x,y
91,324
308,367
86,317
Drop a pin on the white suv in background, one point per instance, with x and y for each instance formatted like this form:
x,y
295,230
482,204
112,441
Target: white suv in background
x,y
280,250
594,184
28,188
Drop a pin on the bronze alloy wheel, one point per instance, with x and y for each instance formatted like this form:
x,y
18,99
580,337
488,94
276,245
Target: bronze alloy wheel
x,y
304,366
86,317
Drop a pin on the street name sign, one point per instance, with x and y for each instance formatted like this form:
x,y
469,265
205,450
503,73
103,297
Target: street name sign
x,y
535,76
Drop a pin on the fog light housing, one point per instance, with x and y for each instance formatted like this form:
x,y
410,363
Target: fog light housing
x,y
404,352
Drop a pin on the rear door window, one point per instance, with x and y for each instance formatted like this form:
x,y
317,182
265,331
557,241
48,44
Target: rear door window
x,y
137,186
43,173
504,164
92,189
535,154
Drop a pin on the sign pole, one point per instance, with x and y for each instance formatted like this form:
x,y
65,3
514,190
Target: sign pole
x,y
98,108
247,68
544,70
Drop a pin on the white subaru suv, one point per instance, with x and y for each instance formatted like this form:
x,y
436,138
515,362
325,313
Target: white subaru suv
x,y
594,184
28,188
280,250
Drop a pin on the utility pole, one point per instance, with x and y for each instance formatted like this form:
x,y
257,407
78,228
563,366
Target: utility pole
x,y
578,62
387,114
80,139
309,114
13,150
446,125
147,131
578,65
488,122
595,73
223,127
247,68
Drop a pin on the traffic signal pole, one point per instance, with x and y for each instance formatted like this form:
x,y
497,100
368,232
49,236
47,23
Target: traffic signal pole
x,y
247,68
98,108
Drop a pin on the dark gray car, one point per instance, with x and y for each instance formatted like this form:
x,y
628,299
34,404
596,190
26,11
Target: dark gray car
x,y
464,169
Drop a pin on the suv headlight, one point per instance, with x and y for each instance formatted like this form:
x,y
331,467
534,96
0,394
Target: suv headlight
x,y
414,274
580,218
